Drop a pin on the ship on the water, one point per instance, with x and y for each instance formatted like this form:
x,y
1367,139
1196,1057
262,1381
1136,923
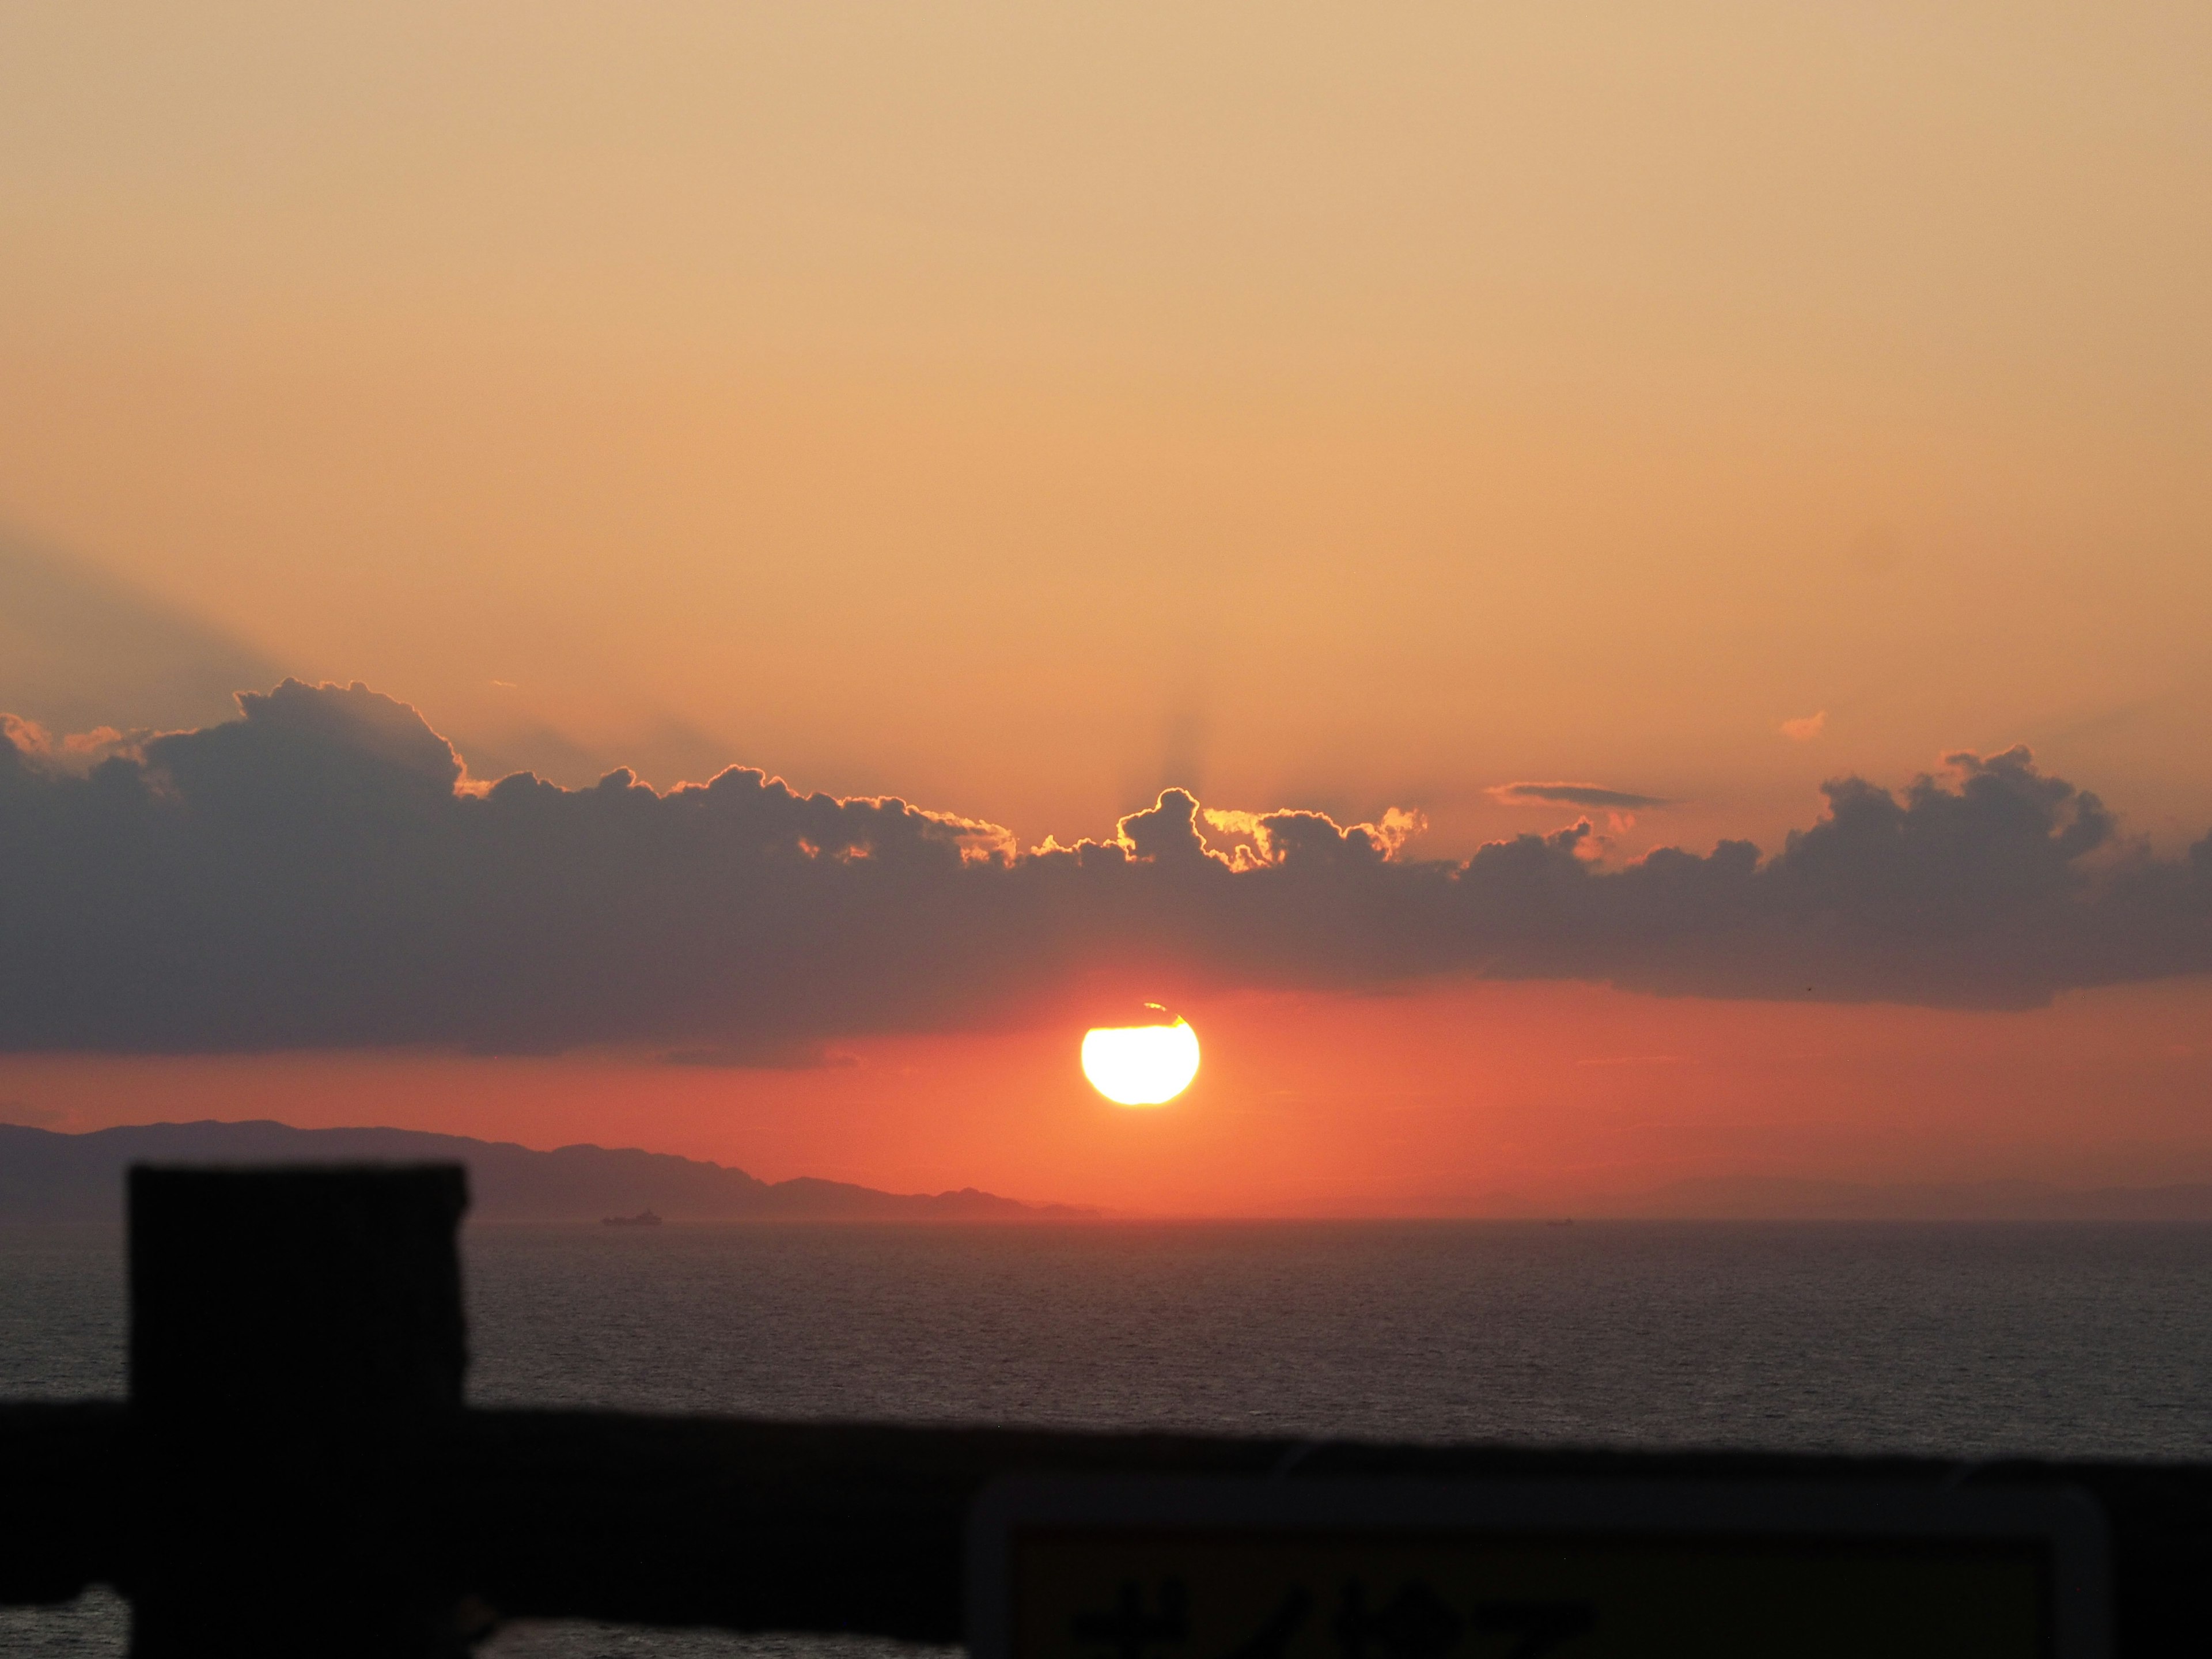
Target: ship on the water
x,y
643,1219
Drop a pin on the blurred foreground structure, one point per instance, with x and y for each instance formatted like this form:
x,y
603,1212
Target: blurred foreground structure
x,y
295,1472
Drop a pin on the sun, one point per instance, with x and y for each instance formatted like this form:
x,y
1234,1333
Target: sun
x,y
1142,1065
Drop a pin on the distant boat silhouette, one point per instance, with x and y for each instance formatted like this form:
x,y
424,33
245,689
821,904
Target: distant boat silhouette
x,y
643,1219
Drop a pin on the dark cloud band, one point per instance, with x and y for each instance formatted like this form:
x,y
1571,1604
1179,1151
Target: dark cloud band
x,y
1574,794
319,872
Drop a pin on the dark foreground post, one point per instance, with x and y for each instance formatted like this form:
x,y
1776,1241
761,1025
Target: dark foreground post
x,y
297,1349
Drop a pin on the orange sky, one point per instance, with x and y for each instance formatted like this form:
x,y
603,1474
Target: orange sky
x,y
1483,1100
1020,409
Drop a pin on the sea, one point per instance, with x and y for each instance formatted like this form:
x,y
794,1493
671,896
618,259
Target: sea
x,y
1963,1339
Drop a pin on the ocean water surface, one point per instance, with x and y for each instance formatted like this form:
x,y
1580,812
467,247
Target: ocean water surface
x,y
1965,1339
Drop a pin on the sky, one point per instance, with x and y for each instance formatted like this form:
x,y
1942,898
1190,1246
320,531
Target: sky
x,y
1465,423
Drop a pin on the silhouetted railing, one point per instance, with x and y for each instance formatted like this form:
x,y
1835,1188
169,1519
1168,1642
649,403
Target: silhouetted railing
x,y
295,1473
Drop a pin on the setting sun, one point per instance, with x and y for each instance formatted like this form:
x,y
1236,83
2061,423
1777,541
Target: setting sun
x,y
1142,1065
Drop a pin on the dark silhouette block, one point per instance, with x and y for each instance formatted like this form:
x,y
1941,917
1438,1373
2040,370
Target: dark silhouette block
x,y
296,1352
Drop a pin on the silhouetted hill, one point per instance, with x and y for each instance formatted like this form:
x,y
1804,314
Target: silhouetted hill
x,y
49,1176
1763,1198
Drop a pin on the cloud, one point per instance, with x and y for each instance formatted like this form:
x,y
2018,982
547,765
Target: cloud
x,y
320,871
1573,794
1804,730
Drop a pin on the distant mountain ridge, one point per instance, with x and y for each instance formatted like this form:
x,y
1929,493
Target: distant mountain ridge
x,y
47,1176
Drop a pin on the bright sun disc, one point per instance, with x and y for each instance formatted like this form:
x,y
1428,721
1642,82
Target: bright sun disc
x,y
1140,1065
